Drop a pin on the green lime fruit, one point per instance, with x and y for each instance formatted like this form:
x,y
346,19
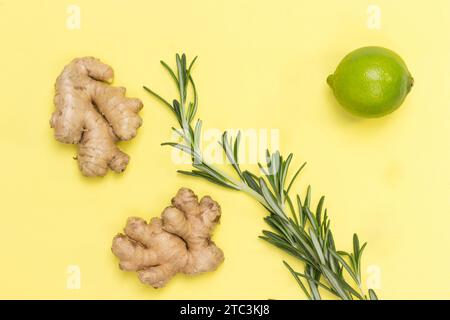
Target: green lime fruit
x,y
371,82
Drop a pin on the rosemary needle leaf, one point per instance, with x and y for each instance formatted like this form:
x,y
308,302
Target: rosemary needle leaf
x,y
362,248
308,197
345,265
336,285
300,283
237,141
372,295
190,66
172,74
294,177
317,246
319,210
179,146
320,284
355,245
250,181
159,97
205,176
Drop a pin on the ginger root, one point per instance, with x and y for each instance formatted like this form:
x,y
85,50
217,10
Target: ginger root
x,y
179,241
94,115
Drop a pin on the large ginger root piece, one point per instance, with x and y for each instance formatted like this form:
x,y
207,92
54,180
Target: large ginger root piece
x,y
94,115
179,241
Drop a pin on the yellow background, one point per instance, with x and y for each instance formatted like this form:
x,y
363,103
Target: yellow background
x,y
262,64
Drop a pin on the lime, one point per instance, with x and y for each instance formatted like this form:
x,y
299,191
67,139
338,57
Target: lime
x,y
371,81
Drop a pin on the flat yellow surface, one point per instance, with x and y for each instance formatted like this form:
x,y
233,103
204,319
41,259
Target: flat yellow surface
x,y
262,64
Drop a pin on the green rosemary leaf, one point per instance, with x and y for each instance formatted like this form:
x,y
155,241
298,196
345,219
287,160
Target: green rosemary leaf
x,y
358,262
195,98
330,245
301,285
205,176
226,146
267,172
362,249
291,207
270,198
355,245
319,211
205,168
351,291
178,111
302,239
250,181
308,197
197,134
190,110
343,285
320,284
181,78
169,69
283,245
346,266
185,74
310,217
295,177
276,168
301,214
274,236
237,142
277,226
317,246
343,253
325,222
312,285
372,295
332,262
191,65
336,284
179,146
263,170
158,97
285,169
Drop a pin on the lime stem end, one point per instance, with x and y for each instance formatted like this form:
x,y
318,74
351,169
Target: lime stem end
x,y
330,80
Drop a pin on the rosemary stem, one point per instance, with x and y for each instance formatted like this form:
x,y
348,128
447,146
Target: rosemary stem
x,y
244,187
302,232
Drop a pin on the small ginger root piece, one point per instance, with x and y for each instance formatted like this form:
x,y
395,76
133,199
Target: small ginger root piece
x,y
179,241
94,115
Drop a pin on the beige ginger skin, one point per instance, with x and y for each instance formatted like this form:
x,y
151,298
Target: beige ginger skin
x,y
95,115
178,242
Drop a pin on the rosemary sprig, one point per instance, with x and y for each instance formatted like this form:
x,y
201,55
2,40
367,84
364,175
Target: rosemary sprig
x,y
295,228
